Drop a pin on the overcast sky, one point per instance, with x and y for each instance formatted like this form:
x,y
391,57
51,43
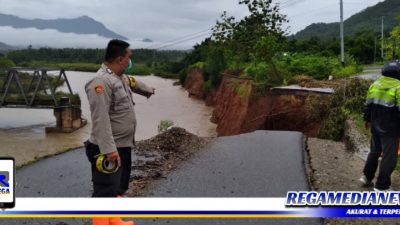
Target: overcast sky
x,y
161,20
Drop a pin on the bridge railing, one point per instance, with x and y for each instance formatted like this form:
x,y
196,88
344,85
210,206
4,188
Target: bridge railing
x,y
39,81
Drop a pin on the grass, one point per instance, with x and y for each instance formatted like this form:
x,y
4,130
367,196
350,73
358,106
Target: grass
x,y
398,166
240,88
141,69
358,118
84,67
164,125
137,69
342,72
378,63
167,75
38,158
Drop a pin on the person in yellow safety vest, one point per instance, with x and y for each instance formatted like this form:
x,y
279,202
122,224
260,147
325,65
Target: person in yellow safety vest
x,y
113,125
382,116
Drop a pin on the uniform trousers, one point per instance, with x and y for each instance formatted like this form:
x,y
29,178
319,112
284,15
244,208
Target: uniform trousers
x,y
387,147
113,184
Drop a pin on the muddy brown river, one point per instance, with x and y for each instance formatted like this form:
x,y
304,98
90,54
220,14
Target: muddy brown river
x,y
22,130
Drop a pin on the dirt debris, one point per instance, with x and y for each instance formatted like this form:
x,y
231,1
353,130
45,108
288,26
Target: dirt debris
x,y
160,155
309,82
334,168
173,140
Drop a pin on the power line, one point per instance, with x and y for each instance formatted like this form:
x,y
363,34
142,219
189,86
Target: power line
x,y
341,33
310,11
192,36
289,3
188,39
382,40
181,41
178,39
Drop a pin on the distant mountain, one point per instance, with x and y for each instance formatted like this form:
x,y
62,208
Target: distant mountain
x,y
5,48
80,25
368,18
147,40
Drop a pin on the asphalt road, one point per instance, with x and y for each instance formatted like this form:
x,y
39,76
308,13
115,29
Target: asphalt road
x,y
259,164
370,73
64,175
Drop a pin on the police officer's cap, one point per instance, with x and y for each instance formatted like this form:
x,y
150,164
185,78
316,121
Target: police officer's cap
x,y
392,68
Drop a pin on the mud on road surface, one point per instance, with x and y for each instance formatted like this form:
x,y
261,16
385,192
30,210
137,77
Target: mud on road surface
x,y
160,155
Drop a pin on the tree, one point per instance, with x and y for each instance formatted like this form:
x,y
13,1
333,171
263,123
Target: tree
x,y
394,39
5,63
215,64
266,49
240,38
361,45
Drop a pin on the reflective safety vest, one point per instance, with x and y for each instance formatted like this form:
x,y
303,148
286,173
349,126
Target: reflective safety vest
x,y
385,91
383,106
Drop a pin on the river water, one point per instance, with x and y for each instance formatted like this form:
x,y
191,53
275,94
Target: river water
x,y
22,130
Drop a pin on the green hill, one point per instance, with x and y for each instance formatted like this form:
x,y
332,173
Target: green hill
x,y
368,18
4,48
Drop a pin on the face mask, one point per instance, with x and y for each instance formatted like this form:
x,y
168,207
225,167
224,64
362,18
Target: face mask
x,y
128,69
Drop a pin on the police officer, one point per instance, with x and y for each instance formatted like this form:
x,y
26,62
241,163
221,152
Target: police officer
x,y
382,115
113,123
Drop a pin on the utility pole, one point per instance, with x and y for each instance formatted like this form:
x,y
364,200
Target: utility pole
x,y
341,33
375,50
382,40
153,64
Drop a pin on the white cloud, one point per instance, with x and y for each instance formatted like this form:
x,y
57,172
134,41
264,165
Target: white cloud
x,y
49,38
55,39
158,20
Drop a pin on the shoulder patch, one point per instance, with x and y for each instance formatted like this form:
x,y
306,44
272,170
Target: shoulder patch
x,y
99,88
132,82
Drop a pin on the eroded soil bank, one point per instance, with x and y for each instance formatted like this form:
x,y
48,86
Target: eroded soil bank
x,y
240,108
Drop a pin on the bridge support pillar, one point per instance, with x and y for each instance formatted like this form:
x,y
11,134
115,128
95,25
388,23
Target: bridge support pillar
x,y
68,119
